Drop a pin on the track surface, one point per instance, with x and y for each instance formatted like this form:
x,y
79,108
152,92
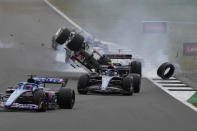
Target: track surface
x,y
25,25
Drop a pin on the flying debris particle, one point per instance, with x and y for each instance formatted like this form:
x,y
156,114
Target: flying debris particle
x,y
11,35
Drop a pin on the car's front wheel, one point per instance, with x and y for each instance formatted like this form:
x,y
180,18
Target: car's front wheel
x,y
39,99
66,98
136,82
127,86
82,84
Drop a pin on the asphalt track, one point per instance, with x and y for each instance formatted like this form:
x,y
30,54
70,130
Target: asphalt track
x,y
26,28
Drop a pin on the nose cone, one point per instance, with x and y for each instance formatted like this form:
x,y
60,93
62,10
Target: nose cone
x,y
13,97
105,82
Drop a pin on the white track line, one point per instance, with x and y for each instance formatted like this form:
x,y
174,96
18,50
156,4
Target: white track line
x,y
72,22
182,85
177,88
166,81
181,96
171,79
64,16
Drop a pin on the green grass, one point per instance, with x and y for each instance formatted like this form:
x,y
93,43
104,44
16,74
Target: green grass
x,y
193,99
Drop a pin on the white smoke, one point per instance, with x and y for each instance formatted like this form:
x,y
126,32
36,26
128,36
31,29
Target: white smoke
x,y
121,23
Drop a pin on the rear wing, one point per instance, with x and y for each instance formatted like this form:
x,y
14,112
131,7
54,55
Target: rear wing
x,y
118,56
50,80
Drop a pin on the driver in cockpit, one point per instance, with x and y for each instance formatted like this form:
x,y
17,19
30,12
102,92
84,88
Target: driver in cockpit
x,y
110,71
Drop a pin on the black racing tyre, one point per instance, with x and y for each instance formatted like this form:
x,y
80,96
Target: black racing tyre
x,y
136,82
161,72
136,67
66,98
76,43
127,86
39,99
62,36
83,84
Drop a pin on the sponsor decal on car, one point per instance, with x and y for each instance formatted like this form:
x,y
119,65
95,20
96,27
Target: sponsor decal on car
x,y
24,106
49,80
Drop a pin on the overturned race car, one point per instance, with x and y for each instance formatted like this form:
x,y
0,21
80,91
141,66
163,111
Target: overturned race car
x,y
104,75
34,95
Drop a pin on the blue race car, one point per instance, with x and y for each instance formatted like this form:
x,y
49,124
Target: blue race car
x,y
34,95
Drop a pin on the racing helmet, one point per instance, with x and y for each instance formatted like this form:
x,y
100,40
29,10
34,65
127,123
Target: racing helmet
x,y
110,72
110,66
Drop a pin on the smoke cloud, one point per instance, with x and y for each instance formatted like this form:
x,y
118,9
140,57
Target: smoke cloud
x,y
121,22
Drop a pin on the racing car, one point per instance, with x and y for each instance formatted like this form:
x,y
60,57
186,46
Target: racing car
x,y
34,95
126,78
112,78
81,53
78,50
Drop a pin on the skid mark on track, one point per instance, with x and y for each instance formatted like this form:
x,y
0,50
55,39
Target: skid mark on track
x,y
177,89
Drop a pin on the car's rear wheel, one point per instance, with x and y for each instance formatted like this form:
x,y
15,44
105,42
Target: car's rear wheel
x,y
76,43
39,99
62,36
136,67
82,84
136,82
127,86
66,98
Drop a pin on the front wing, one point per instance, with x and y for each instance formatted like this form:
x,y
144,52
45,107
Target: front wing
x,y
19,106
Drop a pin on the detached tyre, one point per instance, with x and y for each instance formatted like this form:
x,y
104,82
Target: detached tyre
x,y
166,70
76,43
66,98
83,84
62,35
136,83
39,99
127,86
136,67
